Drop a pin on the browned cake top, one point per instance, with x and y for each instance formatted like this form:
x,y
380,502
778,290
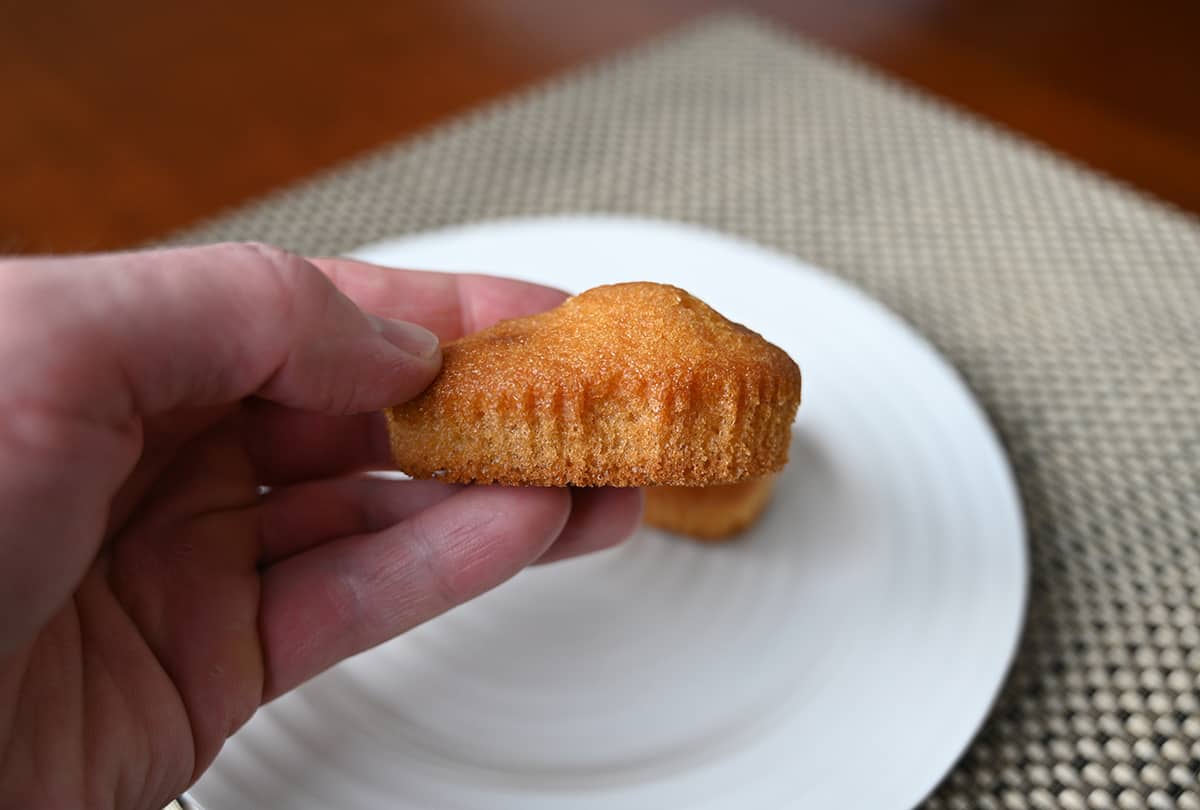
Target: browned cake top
x,y
624,385
637,331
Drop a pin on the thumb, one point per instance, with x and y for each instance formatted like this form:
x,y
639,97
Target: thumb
x,y
144,333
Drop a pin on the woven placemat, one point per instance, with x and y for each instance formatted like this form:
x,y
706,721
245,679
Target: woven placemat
x,y
1070,304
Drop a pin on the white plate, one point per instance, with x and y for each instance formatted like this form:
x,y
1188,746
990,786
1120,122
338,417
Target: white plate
x,y
840,655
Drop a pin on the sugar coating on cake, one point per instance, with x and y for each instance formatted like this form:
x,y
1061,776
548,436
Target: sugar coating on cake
x,y
635,384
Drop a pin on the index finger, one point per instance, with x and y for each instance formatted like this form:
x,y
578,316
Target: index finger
x,y
448,304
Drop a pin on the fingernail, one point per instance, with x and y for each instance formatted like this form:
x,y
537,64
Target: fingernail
x,y
407,337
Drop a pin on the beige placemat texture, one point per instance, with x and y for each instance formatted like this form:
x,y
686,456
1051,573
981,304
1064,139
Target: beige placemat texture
x,y
1070,304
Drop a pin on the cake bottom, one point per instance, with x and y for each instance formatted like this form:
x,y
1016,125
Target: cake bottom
x,y
712,513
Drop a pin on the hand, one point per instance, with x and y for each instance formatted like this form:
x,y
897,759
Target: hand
x,y
152,598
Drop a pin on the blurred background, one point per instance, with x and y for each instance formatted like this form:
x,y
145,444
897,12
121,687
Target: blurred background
x,y
126,119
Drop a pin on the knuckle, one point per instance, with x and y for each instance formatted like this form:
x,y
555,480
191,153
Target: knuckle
x,y
290,285
345,599
267,253
340,396
441,580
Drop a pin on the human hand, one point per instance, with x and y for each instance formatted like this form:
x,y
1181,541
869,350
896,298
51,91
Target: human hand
x,y
152,597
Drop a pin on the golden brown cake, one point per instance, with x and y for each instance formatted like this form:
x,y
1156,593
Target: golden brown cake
x,y
634,384
709,513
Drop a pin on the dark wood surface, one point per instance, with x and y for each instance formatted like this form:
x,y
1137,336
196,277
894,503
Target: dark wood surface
x,y
125,119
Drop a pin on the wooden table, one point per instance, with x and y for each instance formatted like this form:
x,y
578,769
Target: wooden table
x,y
125,119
